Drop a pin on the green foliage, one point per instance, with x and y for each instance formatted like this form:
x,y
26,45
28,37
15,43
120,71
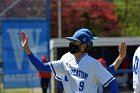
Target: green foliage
x,y
98,16
129,15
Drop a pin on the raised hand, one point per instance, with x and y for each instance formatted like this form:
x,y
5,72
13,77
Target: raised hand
x,y
122,53
122,49
24,39
24,42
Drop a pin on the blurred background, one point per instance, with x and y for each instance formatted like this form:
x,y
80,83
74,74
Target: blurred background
x,y
48,22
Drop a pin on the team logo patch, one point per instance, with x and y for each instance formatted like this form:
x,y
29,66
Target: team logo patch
x,y
84,39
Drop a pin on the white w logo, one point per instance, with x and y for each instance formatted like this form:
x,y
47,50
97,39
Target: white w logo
x,y
15,39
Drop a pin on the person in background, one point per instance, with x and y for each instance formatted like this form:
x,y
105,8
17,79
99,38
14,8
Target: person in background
x,y
44,76
103,62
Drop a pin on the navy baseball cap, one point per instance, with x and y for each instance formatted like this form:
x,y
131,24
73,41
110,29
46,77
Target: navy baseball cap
x,y
87,31
80,36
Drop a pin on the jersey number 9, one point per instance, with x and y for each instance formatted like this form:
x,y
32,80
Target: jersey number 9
x,y
81,86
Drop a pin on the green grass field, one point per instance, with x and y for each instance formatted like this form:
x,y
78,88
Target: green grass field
x,y
24,90
32,90
20,90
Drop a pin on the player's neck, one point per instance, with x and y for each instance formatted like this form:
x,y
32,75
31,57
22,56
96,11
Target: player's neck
x,y
78,55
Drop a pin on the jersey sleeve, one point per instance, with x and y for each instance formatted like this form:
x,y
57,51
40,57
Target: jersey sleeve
x,y
57,67
111,70
40,66
101,74
58,76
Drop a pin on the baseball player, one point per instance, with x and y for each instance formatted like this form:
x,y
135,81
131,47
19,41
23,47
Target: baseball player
x,y
136,71
112,68
83,73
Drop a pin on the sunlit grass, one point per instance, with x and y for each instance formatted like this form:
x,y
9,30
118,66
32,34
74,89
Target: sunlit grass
x,y
18,90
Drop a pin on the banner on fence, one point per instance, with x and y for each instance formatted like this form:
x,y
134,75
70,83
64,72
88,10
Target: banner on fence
x,y
18,71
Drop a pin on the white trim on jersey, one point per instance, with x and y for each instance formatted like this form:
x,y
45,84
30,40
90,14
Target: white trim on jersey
x,y
52,69
58,78
81,58
110,80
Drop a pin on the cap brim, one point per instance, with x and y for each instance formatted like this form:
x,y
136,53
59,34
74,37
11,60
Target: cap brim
x,y
94,38
72,39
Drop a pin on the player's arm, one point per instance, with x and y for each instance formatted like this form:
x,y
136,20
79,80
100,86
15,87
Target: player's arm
x,y
113,84
39,65
111,69
122,53
104,77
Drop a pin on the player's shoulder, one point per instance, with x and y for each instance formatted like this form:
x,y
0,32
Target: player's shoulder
x,y
92,62
67,55
91,59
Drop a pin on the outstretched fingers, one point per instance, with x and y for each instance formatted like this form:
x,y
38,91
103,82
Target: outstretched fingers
x,y
24,39
22,36
123,46
122,49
